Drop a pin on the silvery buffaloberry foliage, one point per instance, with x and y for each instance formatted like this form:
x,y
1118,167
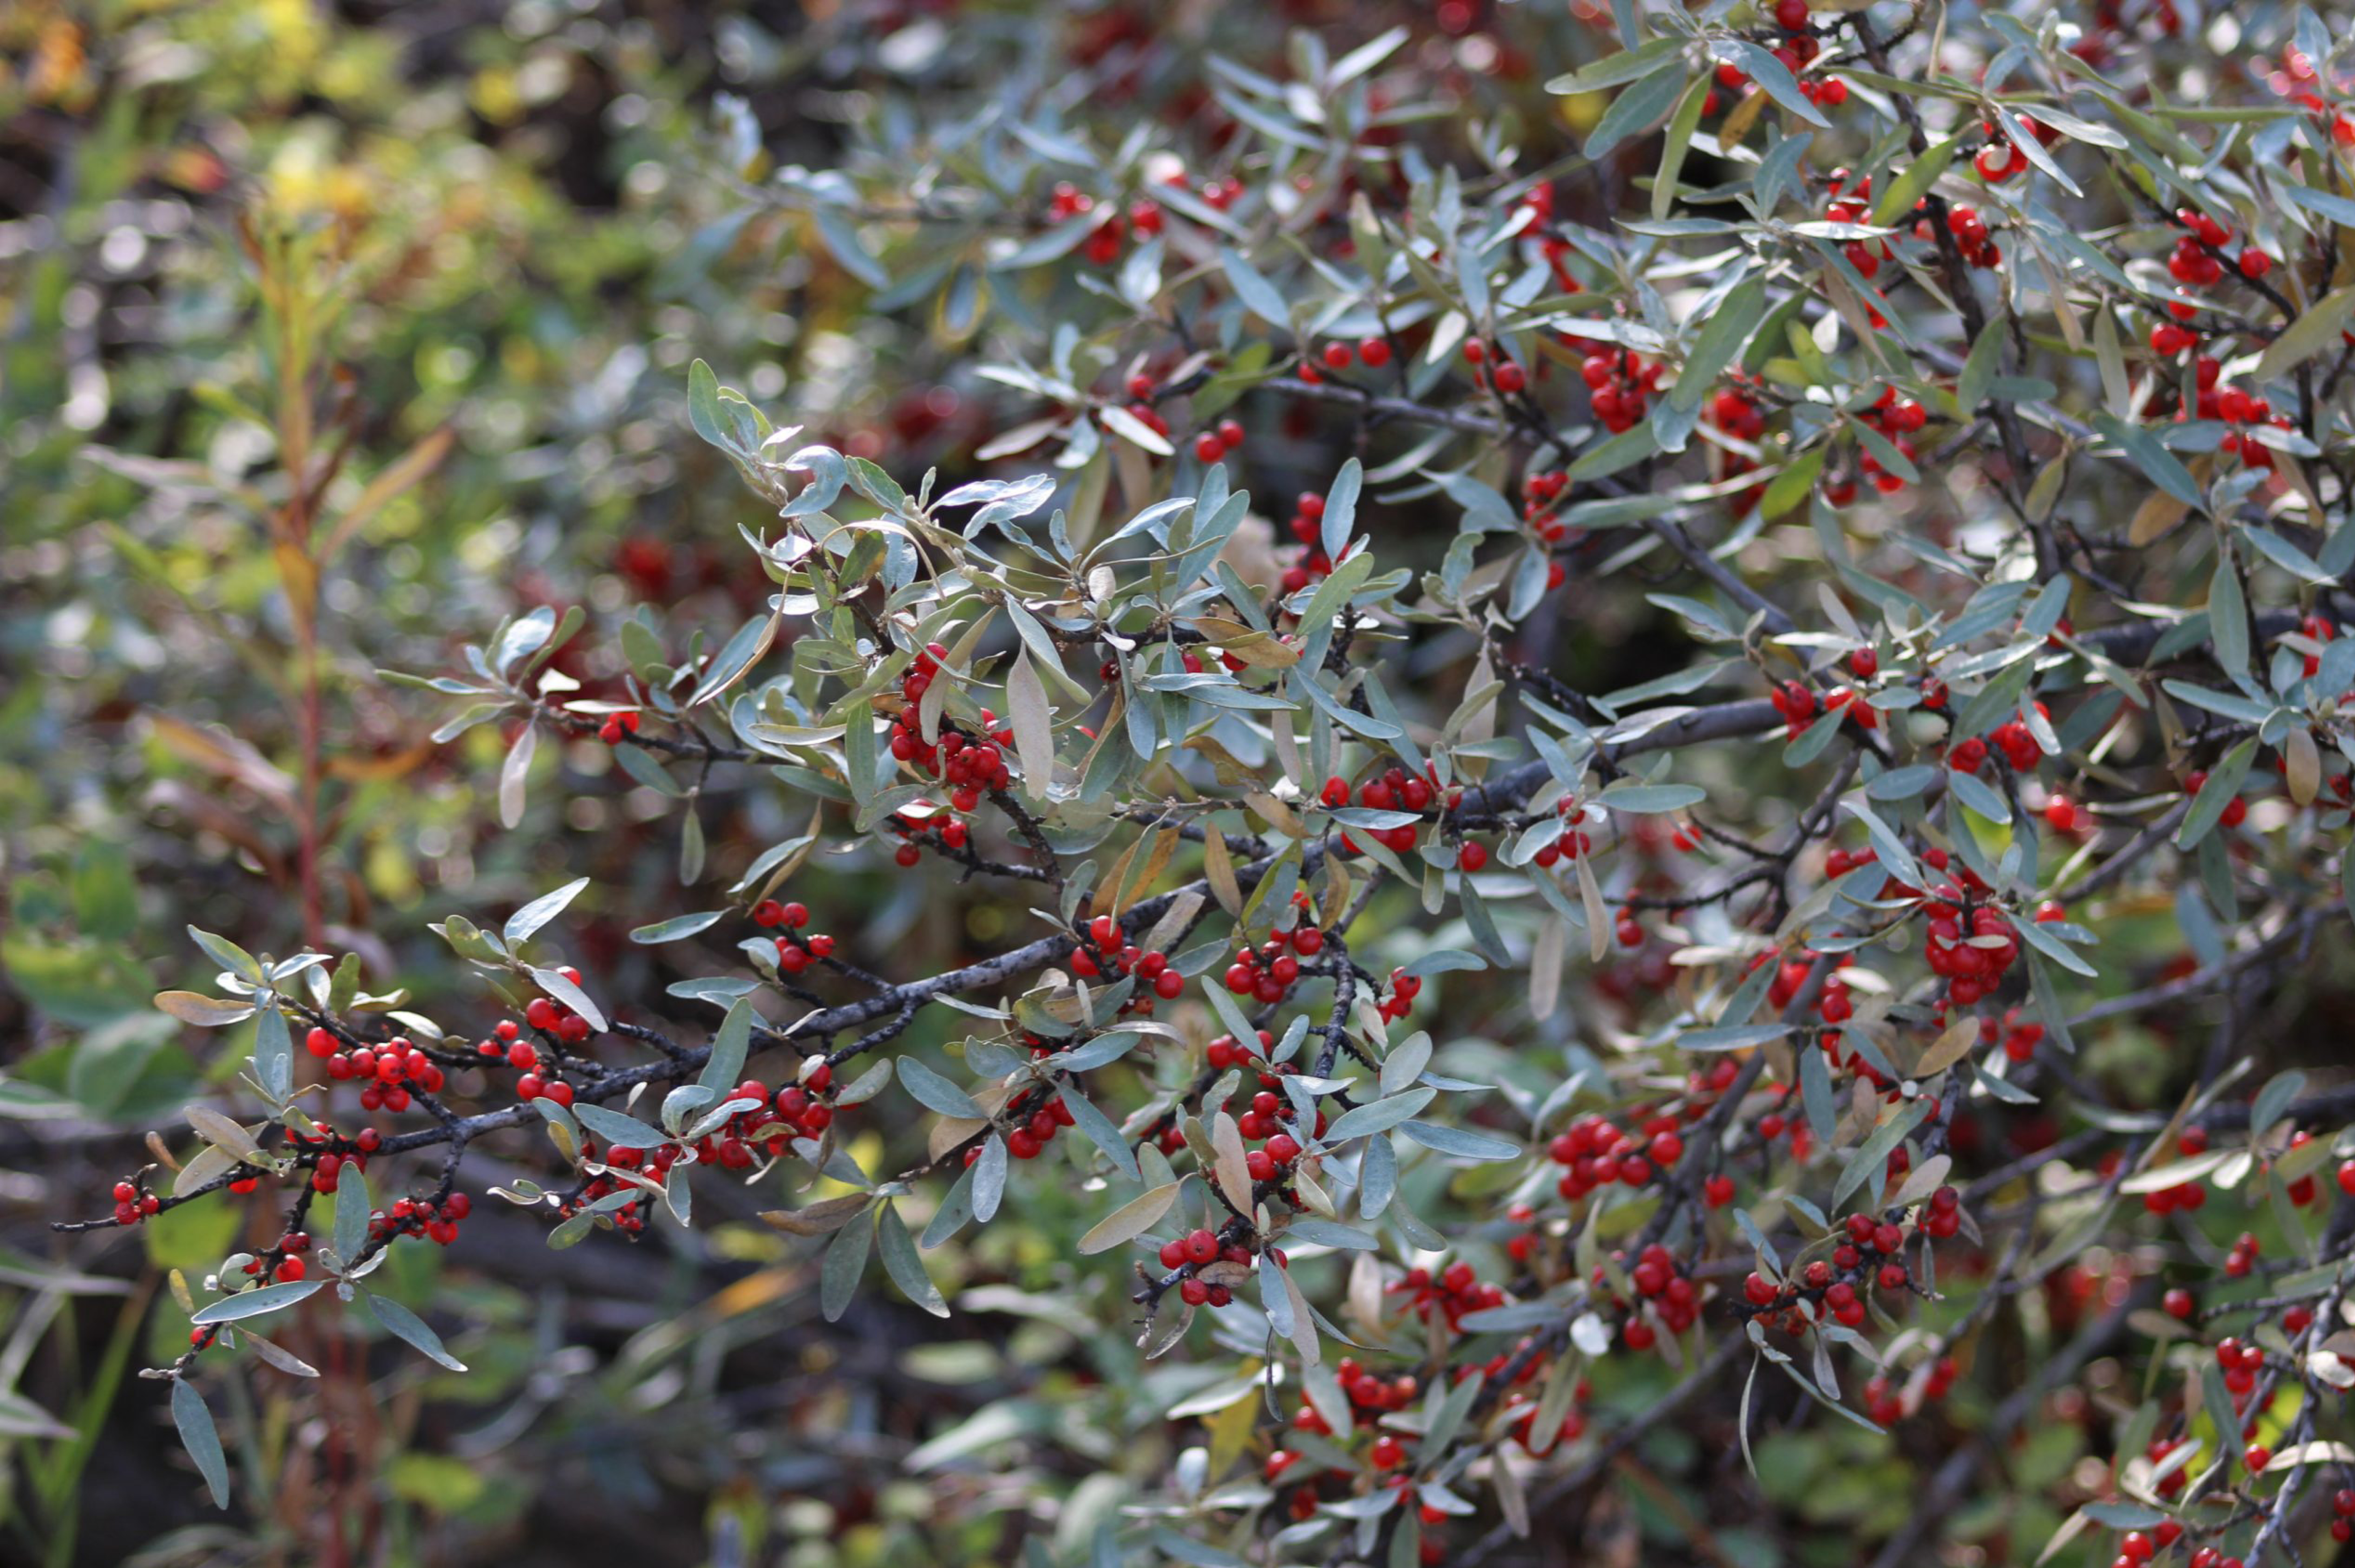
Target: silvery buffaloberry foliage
x,y
1665,753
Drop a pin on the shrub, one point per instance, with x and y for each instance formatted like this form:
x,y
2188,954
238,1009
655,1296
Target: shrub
x,y
1755,840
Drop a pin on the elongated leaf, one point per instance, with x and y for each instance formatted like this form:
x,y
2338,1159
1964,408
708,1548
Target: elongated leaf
x,y
1130,1220
1258,296
352,1204
564,990
204,1011
1638,108
515,775
618,1130
904,1265
724,1068
2309,335
254,1303
1454,1141
935,1093
1377,1116
845,1261
228,956
1101,1131
529,919
406,1325
1033,721
201,1437
989,1178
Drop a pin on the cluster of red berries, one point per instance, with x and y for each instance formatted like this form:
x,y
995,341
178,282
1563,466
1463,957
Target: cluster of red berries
x,y
1737,413
968,765
914,826
1104,950
1886,1405
1404,988
1223,1053
1798,703
1788,977
1522,1413
2342,1508
436,1222
2295,80
1265,1123
1844,205
1830,1281
1211,1267
504,1042
1972,966
329,1171
1371,1396
1505,376
1102,246
795,952
1597,1153
2184,1197
1796,52
1663,1291
1374,351
1267,972
1619,386
132,1205
1215,443
2021,1038
1396,790
808,1104
2013,738
1452,1292
2240,1363
1031,1127
1970,232
387,1070
2229,404
618,727
2000,160
1540,491
1897,418
289,1252
1151,418
1307,513
1573,840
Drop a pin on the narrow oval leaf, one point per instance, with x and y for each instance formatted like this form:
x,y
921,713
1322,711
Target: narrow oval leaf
x,y
201,1437
1130,1220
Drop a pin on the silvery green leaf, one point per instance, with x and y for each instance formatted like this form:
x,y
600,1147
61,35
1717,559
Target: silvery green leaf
x,y
201,1437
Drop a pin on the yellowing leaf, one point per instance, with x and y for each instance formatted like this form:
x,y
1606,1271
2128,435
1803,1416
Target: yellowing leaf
x,y
1130,1220
1218,870
1034,734
1234,1176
